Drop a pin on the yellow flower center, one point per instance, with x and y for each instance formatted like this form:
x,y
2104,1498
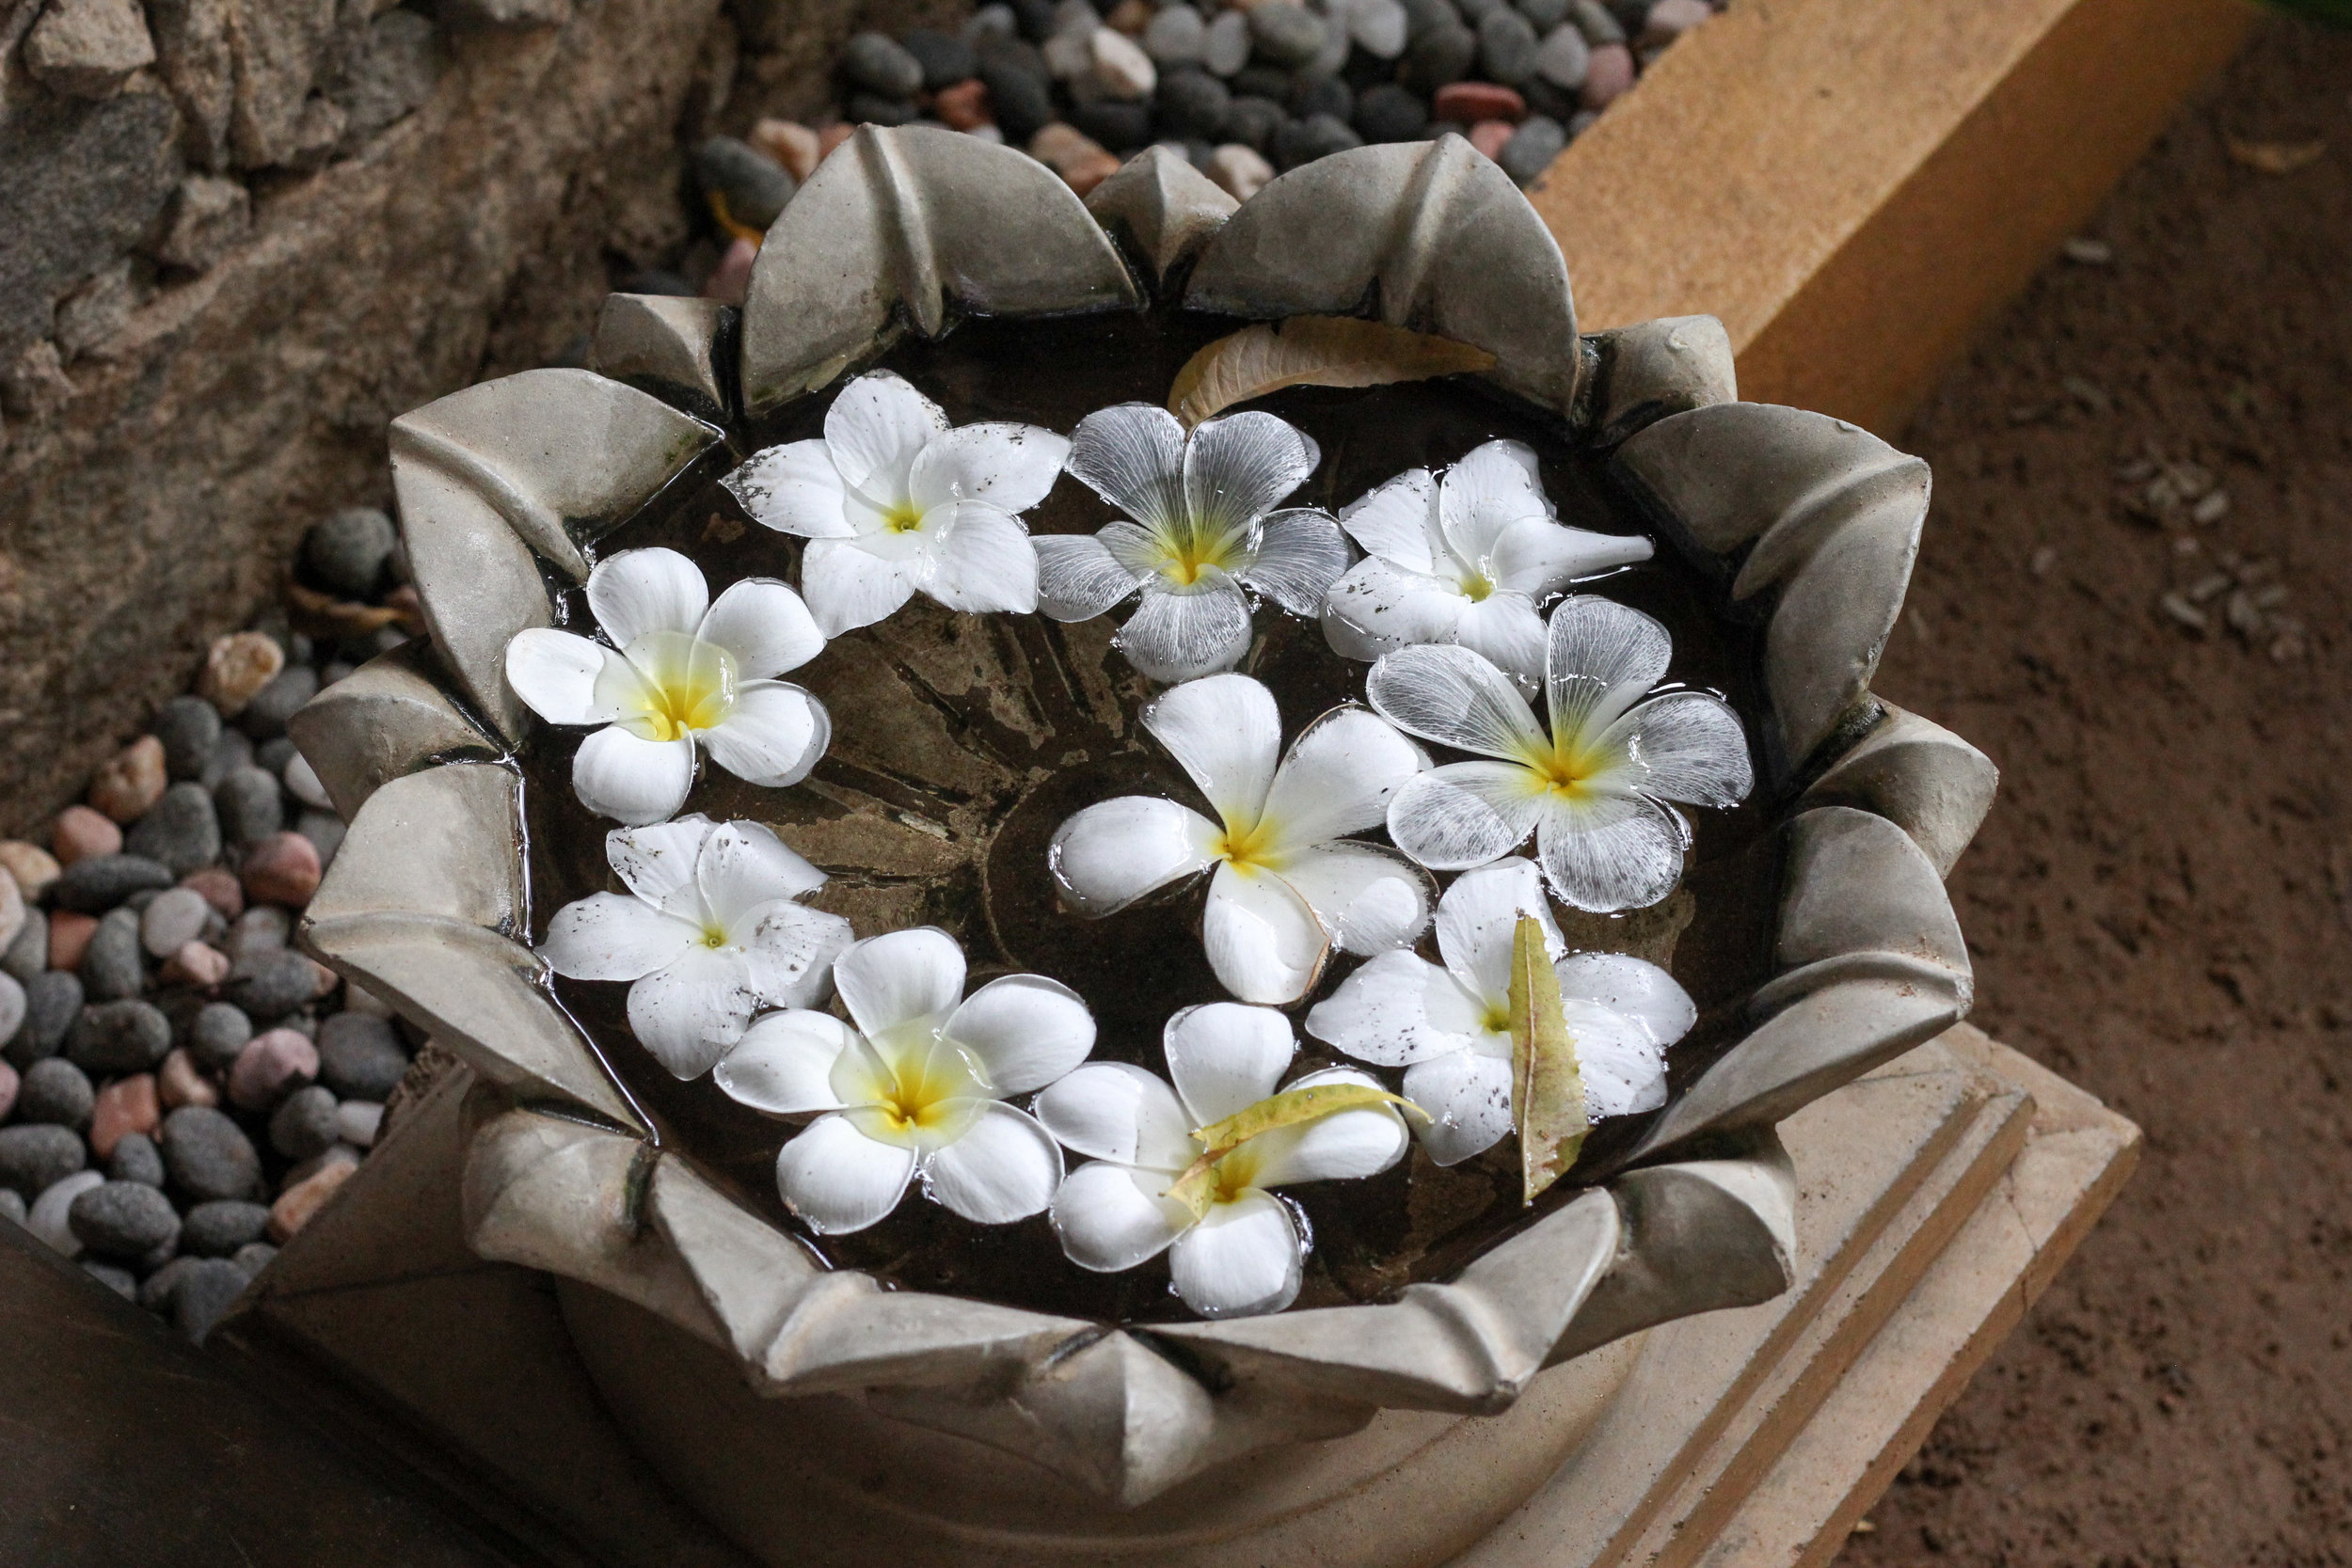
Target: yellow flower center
x,y
684,685
1248,850
1476,586
1498,1019
1193,550
1564,771
902,518
910,1086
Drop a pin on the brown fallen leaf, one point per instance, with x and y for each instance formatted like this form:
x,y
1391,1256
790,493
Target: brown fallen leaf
x,y
2275,157
1547,1086
1311,351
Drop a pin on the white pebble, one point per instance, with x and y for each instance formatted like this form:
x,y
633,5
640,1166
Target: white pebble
x,y
1378,27
176,917
47,1220
359,999
1563,57
1177,36
303,780
11,1007
258,930
1120,65
1238,170
357,1120
1225,49
988,131
1068,56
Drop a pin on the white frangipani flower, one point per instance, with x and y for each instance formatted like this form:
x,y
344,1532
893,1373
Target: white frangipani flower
x,y
710,931
917,1087
1450,1028
1203,526
1242,1255
681,670
1289,885
893,502
1594,791
1464,557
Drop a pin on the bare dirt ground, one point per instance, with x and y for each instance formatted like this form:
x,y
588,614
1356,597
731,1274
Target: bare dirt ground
x,y
2161,905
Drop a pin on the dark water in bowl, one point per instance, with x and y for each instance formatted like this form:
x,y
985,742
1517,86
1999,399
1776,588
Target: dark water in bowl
x,y
960,743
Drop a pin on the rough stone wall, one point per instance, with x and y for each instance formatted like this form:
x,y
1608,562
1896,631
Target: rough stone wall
x,y
236,238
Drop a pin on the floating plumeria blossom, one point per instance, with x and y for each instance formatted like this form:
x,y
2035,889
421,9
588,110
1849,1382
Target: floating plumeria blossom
x,y
1200,525
917,1087
681,671
894,501
1239,1252
1464,557
1289,886
1595,792
1450,1028
710,931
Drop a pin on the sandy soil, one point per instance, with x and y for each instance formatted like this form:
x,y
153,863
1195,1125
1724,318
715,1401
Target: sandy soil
x,y
2161,905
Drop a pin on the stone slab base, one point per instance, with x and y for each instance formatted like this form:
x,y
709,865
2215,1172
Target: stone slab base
x,y
1938,1197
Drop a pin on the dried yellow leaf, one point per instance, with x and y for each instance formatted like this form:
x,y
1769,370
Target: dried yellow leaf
x,y
1196,1187
1311,351
1547,1087
2275,157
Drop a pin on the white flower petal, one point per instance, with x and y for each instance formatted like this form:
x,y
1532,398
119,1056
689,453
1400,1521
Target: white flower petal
x,y
1007,466
610,936
900,976
1494,486
877,428
658,861
836,1179
765,625
1397,522
1301,553
1131,455
1263,940
1610,853
743,866
1114,852
1395,1010
1478,920
1224,1057
1004,1167
1117,1111
1022,1031
1111,1217
1227,733
639,592
1138,550
1465,814
1468,1096
1368,896
1243,1258
848,586
1077,578
783,1062
790,949
632,781
1179,637
773,735
1684,746
1537,556
692,1013
1377,608
1624,1069
794,489
1505,630
1600,658
557,674
1238,468
1339,776
1456,698
984,562
1342,1147
1632,986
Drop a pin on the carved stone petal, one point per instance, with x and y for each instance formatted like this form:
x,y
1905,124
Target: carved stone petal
x,y
1429,235
846,1333
666,346
384,721
1700,1235
1869,962
445,842
1166,208
478,583
924,220
1919,776
749,1274
1668,366
1471,1345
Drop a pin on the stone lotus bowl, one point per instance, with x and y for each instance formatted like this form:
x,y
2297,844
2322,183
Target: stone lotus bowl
x,y
816,1416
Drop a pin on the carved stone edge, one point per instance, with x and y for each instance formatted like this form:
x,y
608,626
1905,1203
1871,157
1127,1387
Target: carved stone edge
x,y
1164,208
1919,776
384,720
668,347
1648,371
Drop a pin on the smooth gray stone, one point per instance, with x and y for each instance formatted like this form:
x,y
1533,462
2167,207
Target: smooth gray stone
x,y
1021,98
12,1208
155,1290
946,59
204,1295
253,1256
1225,47
1532,148
1286,33
303,1126
1311,96
122,1281
1563,57
114,967
881,65
28,955
181,832
36,1157
1303,141
1177,35
56,1093
1422,15
189,727
208,1156
219,1227
1252,120
347,551
1506,47
360,1057
265,718
1192,103
135,1159
1593,19
1387,113
123,1220
324,831
217,1033
1443,54
505,16
1543,15
176,917
235,750
112,1037
97,883
53,1001
754,187
13,1008
271,985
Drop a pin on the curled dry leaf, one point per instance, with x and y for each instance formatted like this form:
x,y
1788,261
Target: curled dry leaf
x,y
1546,1088
1195,1188
1311,351
2275,157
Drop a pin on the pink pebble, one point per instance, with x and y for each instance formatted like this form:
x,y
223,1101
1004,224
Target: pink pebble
x,y
272,1065
125,1106
1608,75
195,963
1490,135
218,888
69,937
283,869
79,833
732,281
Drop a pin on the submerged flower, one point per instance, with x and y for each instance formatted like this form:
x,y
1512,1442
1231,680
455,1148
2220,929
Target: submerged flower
x,y
1464,557
1289,886
894,503
1202,527
681,670
1450,1028
1240,1252
917,1086
1594,791
710,931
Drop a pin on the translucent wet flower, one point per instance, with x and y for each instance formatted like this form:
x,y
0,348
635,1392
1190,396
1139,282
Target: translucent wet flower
x,y
710,931
681,671
1289,885
1464,556
1598,791
1450,1027
915,1085
894,501
1200,528
1242,1254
